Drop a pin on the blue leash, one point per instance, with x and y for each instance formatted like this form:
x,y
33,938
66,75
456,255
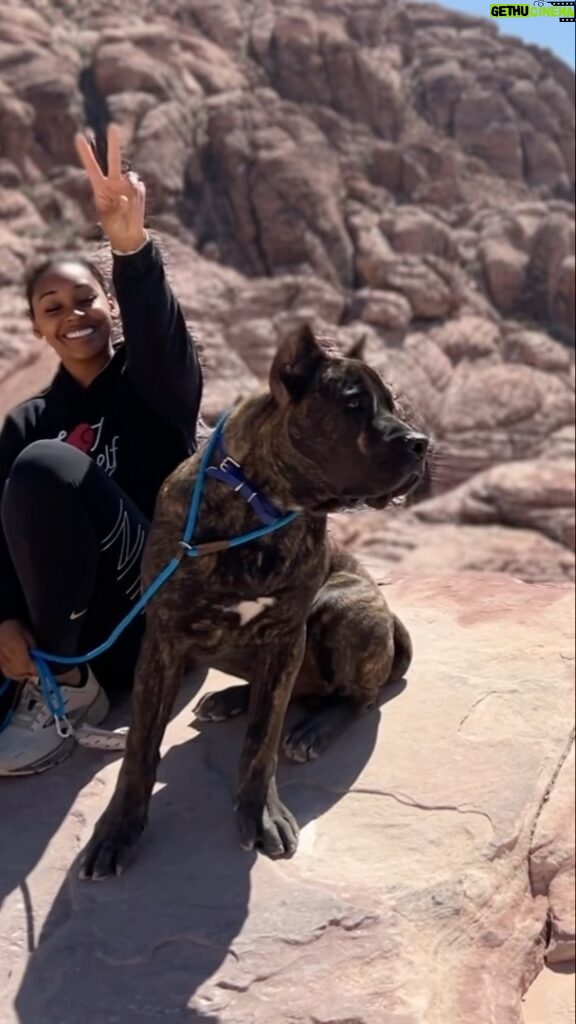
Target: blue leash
x,y
50,689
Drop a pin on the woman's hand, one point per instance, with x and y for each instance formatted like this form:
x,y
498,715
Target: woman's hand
x,y
119,198
15,643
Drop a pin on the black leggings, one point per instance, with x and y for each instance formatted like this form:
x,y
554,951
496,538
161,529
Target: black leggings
x,y
76,541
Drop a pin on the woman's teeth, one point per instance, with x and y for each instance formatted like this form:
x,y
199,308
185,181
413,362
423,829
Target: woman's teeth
x,y
84,333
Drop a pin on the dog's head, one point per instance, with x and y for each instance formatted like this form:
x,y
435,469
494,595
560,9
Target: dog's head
x,y
340,418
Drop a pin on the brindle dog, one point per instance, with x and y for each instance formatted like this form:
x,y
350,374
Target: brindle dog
x,y
288,612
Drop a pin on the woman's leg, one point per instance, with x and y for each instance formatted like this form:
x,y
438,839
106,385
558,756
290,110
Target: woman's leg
x,y
76,541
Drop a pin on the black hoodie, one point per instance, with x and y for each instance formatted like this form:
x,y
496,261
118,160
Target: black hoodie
x,y
137,419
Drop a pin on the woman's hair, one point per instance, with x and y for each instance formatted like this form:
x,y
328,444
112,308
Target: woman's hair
x,y
39,269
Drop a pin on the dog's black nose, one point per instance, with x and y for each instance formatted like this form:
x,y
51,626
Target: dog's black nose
x,y
417,444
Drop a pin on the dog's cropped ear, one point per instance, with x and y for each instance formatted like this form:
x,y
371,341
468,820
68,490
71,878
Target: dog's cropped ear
x,y
295,365
357,348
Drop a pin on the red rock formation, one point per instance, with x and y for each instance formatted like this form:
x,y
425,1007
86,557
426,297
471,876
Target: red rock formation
x,y
399,171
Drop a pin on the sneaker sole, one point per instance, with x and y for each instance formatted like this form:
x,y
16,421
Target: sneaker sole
x,y
93,714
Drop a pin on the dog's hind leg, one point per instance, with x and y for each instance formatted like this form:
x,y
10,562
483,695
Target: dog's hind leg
x,y
158,676
355,646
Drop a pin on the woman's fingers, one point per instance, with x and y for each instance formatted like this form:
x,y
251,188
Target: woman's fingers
x,y
88,160
114,158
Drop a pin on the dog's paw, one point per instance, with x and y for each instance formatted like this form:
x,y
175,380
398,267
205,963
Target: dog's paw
x,y
217,707
269,827
314,733
305,742
110,850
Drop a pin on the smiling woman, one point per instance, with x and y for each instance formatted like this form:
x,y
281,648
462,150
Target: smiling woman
x,y
81,464
71,309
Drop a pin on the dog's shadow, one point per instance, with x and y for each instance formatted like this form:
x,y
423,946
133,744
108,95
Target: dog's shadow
x,y
137,948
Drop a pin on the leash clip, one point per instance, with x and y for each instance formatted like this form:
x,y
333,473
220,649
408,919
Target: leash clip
x,y
64,727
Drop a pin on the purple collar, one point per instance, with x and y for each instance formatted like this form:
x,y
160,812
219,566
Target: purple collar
x,y
230,472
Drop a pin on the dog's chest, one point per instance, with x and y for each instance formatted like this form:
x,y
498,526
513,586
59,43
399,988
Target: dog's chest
x,y
247,611
244,596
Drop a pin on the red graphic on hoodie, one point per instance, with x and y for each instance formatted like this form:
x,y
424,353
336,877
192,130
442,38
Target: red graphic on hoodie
x,y
82,437
89,438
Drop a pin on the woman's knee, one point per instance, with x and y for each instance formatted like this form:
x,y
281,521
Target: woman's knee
x,y
47,459
40,466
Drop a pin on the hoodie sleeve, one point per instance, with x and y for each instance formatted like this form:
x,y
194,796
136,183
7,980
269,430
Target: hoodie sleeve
x,y
12,601
162,359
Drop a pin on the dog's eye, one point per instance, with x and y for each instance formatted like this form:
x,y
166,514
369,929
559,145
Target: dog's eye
x,y
355,400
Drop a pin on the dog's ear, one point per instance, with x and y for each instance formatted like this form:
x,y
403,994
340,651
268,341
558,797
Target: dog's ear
x,y
295,365
357,348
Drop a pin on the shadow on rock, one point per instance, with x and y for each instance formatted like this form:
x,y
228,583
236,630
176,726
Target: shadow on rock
x,y
142,946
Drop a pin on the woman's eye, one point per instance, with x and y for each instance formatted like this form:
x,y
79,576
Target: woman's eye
x,y
53,309
88,300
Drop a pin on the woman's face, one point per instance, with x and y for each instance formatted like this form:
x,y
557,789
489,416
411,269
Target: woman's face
x,y
72,312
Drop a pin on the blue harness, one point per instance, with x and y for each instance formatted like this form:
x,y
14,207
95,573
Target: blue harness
x,y
227,471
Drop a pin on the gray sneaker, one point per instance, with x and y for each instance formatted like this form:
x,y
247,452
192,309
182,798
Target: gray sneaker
x,y
30,742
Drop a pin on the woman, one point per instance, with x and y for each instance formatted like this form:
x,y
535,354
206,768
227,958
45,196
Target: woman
x,y
81,465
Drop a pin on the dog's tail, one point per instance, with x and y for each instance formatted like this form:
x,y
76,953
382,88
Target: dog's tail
x,y
402,651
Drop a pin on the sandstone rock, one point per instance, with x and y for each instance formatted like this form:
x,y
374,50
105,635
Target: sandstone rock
x,y
401,543
534,494
442,86
402,174
382,308
532,348
552,862
484,125
549,284
120,65
16,118
551,997
163,141
17,210
410,843
386,166
468,338
420,279
494,413
415,231
561,296
505,270
544,161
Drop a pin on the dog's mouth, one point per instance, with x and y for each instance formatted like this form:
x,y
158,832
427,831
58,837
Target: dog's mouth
x,y
406,487
348,503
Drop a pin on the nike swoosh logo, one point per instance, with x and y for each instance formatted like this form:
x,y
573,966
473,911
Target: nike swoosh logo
x,y
76,615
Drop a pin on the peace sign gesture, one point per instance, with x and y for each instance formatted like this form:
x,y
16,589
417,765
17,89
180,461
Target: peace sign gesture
x,y
119,198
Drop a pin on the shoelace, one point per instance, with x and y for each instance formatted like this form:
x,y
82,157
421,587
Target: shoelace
x,y
30,708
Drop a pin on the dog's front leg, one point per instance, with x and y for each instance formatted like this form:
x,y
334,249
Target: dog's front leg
x,y
264,822
158,674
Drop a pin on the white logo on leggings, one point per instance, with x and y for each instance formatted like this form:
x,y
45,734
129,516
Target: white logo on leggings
x,y
129,550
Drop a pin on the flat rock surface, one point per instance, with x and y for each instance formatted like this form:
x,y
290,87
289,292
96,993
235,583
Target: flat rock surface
x,y
422,889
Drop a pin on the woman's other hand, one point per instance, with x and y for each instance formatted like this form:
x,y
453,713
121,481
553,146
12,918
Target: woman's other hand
x,y
119,198
15,643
